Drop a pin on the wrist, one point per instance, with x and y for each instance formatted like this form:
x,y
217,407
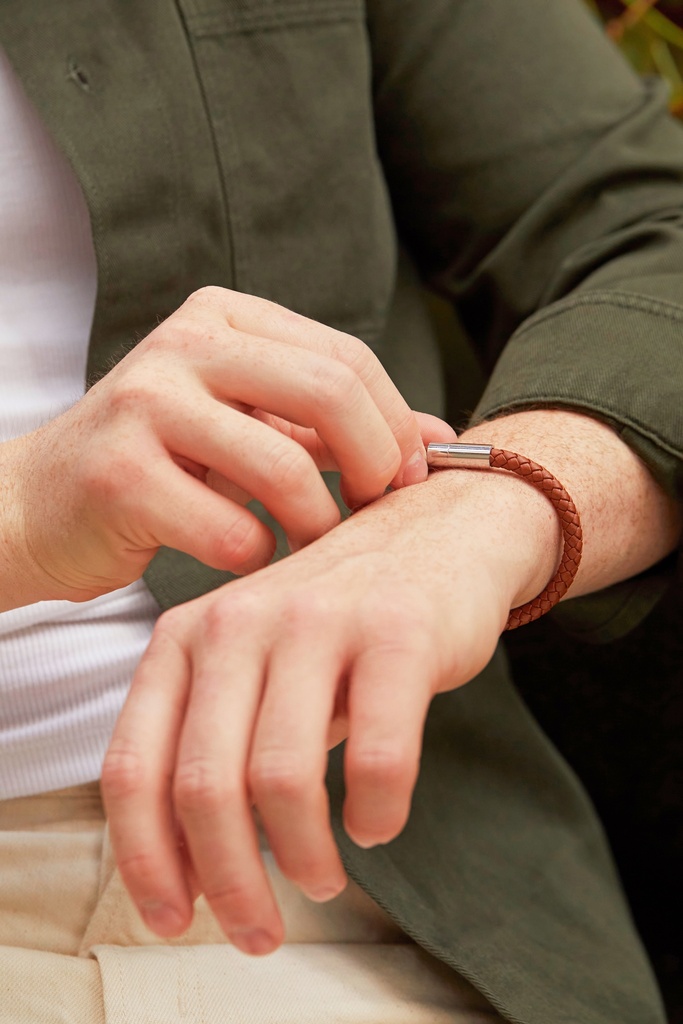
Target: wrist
x,y
516,529
628,522
19,579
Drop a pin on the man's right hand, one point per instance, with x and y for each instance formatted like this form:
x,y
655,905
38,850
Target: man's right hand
x,y
231,398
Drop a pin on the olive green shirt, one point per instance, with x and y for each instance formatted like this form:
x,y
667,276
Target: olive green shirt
x,y
332,155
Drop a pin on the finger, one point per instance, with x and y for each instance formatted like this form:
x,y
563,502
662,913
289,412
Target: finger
x,y
260,461
312,389
256,316
431,429
434,429
175,509
136,787
388,698
210,791
218,483
307,437
289,756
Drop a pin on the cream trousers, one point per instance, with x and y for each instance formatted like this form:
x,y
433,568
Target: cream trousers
x,y
74,951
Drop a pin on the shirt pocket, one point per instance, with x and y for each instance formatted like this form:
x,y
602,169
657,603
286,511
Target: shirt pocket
x,y
288,89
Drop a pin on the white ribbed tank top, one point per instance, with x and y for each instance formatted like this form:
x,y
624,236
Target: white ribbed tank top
x,y
65,668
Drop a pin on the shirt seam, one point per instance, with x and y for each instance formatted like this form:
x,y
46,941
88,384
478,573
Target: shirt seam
x,y
581,404
226,23
618,299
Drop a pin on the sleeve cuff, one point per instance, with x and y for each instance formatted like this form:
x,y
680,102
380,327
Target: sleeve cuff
x,y
617,357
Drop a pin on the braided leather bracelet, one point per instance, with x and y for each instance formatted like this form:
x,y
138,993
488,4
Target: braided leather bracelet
x,y
444,456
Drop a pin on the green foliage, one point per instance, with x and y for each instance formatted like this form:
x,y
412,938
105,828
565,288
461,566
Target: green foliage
x,y
650,33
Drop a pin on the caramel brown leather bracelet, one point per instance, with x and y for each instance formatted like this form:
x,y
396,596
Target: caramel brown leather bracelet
x,y
447,456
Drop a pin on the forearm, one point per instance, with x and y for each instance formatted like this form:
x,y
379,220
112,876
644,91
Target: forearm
x,y
629,523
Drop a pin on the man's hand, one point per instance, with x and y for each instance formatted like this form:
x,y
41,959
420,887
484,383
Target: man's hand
x,y
232,397
243,691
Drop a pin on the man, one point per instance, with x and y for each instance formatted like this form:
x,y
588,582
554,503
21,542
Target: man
x,y
538,184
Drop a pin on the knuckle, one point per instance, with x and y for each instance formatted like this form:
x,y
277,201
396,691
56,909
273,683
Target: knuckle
x,y
209,295
309,612
335,387
382,767
240,543
288,467
271,313
215,622
134,393
124,772
200,787
229,614
206,305
187,341
279,775
168,635
225,304
235,895
170,623
287,315
143,867
353,352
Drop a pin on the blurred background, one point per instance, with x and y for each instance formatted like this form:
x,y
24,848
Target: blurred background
x,y
650,32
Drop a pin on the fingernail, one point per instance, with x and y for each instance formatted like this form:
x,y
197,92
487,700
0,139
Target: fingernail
x,y
253,940
416,470
161,918
325,894
366,844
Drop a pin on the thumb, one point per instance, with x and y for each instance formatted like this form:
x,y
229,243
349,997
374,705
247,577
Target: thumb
x,y
431,429
434,429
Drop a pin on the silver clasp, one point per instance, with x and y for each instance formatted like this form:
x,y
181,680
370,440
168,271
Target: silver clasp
x,y
447,454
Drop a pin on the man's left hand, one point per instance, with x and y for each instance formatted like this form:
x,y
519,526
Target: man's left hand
x,y
243,691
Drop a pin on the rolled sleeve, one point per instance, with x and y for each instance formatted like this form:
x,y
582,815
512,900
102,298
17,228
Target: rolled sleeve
x,y
618,357
614,355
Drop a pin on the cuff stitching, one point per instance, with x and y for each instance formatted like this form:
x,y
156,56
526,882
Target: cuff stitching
x,y
579,405
626,300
